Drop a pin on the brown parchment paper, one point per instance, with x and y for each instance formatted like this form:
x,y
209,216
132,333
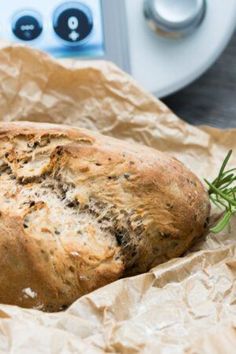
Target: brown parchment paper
x,y
187,305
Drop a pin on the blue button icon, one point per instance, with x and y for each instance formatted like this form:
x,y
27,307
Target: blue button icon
x,y
27,25
73,22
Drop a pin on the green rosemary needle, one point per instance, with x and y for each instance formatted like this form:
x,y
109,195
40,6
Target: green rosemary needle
x,y
222,192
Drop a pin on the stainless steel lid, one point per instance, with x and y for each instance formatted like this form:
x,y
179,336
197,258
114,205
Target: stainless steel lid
x,y
177,17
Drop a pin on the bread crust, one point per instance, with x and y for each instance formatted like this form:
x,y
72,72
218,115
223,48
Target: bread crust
x,y
79,210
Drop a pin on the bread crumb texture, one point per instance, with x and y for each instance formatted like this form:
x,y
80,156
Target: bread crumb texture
x,y
79,210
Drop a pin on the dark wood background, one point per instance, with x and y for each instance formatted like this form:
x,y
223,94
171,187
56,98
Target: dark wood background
x,y
212,98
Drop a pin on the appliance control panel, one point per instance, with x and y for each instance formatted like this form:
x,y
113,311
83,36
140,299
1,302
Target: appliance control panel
x,y
64,29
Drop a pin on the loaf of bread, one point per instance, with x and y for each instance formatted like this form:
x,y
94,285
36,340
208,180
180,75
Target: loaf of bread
x,y
79,210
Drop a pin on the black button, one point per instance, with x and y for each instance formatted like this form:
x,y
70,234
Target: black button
x,y
73,22
27,25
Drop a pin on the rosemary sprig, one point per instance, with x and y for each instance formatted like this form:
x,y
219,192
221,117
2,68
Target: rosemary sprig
x,y
222,192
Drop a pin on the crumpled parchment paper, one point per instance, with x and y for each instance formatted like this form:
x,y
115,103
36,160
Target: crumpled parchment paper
x,y
187,305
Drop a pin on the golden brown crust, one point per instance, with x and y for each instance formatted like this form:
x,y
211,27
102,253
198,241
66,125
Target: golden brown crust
x,y
79,210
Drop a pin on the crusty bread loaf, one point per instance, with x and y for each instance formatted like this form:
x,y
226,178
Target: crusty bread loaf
x,y
79,210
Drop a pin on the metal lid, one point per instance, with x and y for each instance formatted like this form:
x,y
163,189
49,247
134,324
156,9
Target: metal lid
x,y
174,16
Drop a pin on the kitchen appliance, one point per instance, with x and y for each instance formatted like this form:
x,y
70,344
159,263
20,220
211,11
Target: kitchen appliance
x,y
163,44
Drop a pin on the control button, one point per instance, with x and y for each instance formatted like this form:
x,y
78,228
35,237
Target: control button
x,y
27,25
174,17
73,22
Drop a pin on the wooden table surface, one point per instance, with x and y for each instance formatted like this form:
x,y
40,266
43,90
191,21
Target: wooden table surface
x,y
212,98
